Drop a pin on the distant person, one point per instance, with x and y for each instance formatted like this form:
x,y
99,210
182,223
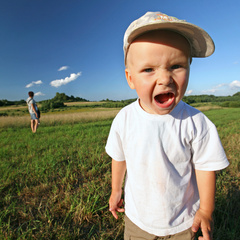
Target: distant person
x,y
32,108
168,150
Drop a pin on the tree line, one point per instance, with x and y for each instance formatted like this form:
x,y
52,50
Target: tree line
x,y
224,101
210,98
60,98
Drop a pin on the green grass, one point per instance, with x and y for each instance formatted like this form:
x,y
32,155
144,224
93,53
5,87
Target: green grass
x,y
56,184
227,220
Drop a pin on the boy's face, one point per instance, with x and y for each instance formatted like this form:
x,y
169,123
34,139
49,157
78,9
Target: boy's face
x,y
158,68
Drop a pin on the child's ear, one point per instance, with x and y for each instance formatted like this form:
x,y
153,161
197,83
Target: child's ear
x,y
129,78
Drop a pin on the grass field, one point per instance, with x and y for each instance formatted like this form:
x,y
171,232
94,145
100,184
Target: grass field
x,y
56,184
61,118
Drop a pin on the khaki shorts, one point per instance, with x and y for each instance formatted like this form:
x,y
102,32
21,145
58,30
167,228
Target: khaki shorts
x,y
133,232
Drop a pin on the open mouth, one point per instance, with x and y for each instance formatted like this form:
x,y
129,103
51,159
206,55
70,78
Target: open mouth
x,y
164,100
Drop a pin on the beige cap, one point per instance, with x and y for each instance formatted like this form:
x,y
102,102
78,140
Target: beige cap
x,y
201,43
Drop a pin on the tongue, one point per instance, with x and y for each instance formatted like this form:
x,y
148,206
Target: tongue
x,y
162,98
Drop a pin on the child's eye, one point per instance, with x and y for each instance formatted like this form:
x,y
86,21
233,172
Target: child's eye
x,y
176,66
148,70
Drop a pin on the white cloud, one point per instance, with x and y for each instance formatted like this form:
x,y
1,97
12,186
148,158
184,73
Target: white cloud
x,y
220,85
235,84
214,88
34,83
60,82
223,88
189,92
63,68
29,85
39,94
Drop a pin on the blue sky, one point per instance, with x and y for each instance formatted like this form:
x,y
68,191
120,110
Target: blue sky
x,y
80,43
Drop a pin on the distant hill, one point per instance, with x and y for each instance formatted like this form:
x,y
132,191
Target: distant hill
x,y
65,98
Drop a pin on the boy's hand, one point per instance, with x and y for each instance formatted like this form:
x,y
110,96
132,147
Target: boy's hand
x,y
116,203
204,221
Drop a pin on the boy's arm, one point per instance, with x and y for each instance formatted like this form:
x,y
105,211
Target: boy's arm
x,y
115,201
34,109
206,182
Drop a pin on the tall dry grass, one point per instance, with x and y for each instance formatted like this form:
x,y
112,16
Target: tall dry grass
x,y
59,118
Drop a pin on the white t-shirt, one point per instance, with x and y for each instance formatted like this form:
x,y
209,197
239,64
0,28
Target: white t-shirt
x,y
161,153
31,101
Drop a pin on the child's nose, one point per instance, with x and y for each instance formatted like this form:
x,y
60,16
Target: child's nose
x,y
164,77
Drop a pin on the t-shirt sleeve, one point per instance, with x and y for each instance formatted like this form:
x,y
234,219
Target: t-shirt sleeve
x,y
114,143
208,152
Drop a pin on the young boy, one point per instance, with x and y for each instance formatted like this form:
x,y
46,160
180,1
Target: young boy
x,y
169,150
32,108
